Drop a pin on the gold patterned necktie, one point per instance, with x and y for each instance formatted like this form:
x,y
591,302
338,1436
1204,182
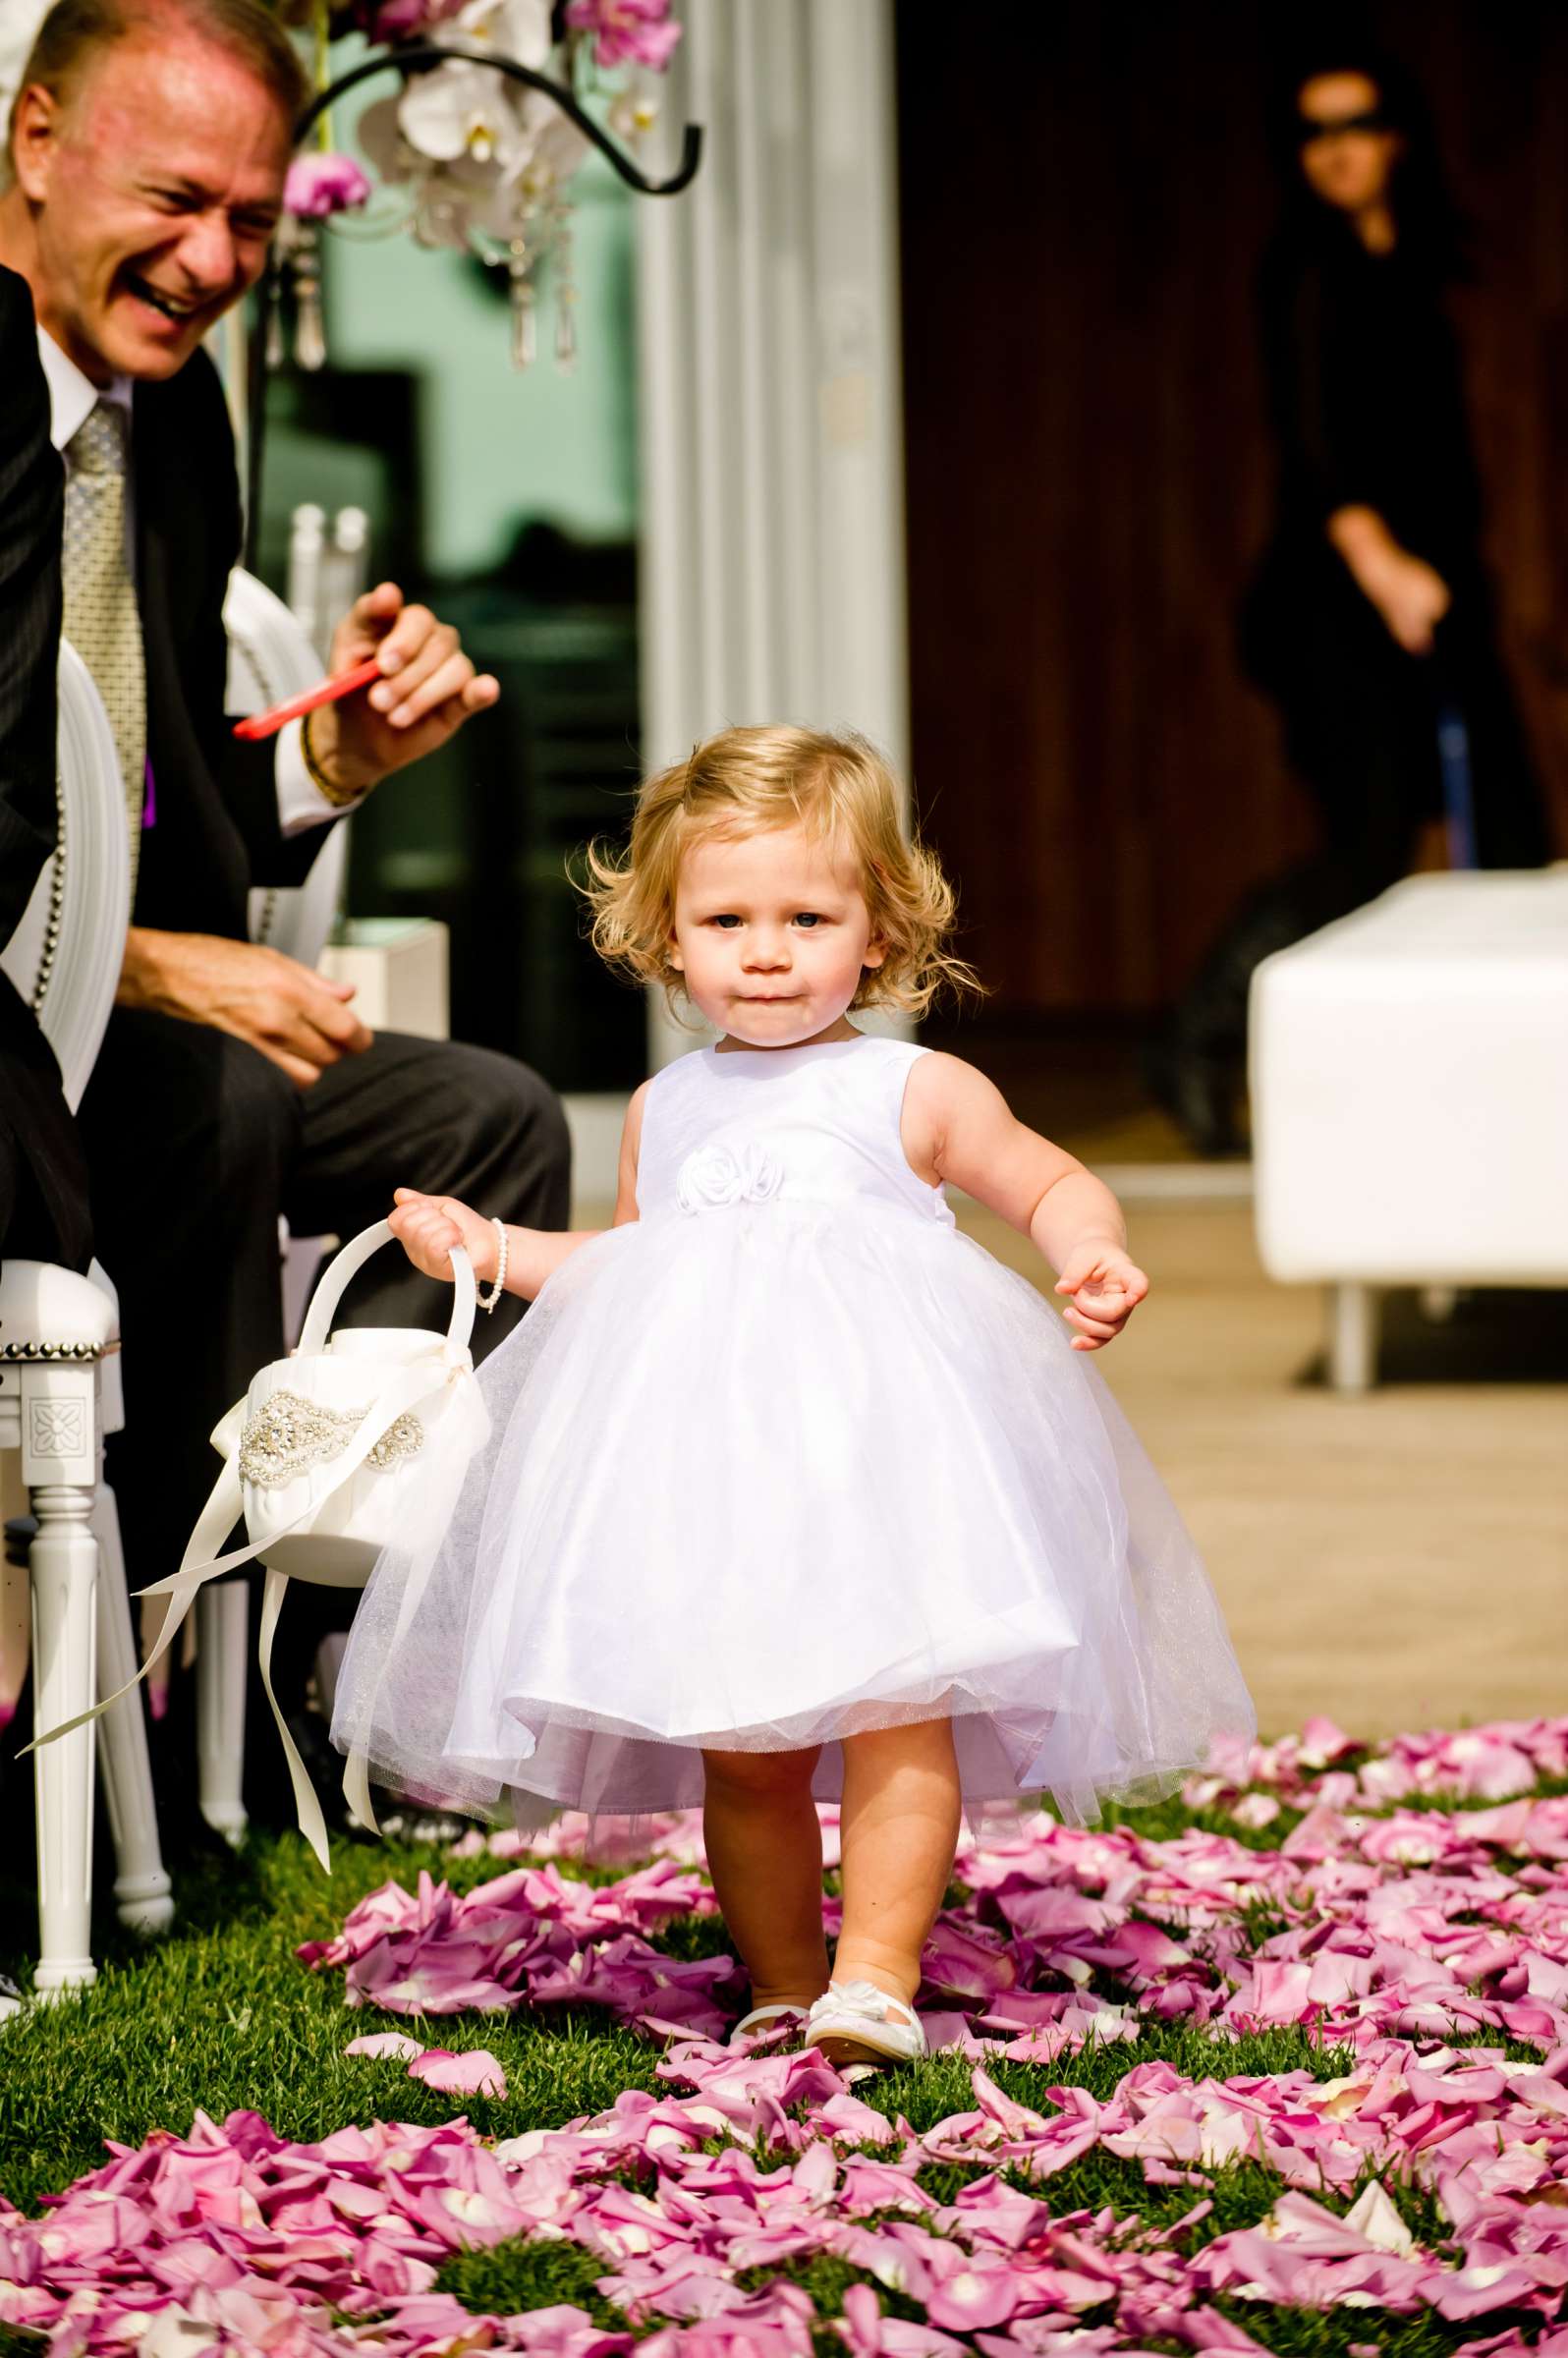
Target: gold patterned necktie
x,y
100,617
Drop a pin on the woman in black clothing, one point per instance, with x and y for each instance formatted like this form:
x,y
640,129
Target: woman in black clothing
x,y
1370,612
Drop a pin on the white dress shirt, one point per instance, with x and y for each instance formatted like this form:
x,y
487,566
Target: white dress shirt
x,y
72,396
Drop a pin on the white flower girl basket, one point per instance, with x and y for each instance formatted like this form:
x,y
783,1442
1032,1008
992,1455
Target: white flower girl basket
x,y
362,1436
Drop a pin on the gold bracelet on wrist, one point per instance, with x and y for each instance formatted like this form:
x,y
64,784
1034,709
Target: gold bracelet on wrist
x,y
338,796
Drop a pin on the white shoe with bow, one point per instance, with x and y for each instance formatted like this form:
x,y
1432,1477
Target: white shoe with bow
x,y
855,2022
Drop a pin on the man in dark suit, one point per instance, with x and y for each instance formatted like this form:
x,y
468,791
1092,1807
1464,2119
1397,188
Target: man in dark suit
x,y
43,1180
147,166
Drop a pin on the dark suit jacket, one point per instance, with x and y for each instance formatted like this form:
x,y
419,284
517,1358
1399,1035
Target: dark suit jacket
x,y
43,1187
216,832
31,498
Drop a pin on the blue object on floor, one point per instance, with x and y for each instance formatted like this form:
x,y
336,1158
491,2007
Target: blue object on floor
x,y
1458,806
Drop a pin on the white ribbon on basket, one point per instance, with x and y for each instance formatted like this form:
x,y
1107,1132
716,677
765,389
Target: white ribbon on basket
x,y
443,1373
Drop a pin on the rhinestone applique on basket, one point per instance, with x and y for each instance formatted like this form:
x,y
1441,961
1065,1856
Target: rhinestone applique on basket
x,y
290,1434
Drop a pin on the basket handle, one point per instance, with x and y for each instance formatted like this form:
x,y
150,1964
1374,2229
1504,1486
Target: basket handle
x,y
346,1265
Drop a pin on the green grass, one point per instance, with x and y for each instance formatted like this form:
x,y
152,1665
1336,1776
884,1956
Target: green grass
x,y
1544,1788
1330,2334
1166,1821
926,2092
222,2016
511,2276
535,2275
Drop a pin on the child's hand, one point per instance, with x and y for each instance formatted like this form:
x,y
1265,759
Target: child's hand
x,y
428,1227
1106,1288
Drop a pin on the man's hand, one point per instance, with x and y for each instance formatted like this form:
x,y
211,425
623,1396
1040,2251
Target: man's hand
x,y
296,1018
430,690
1106,1287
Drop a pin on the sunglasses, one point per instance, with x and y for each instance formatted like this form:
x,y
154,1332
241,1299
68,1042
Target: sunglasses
x,y
1310,128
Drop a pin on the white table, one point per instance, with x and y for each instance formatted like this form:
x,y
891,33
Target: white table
x,y
1410,1098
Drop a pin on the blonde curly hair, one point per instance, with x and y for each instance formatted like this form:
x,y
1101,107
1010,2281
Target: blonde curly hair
x,y
742,782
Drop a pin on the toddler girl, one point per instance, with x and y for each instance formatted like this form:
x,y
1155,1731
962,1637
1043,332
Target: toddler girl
x,y
793,1491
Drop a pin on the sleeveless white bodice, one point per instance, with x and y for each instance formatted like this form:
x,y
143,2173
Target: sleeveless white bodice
x,y
814,1125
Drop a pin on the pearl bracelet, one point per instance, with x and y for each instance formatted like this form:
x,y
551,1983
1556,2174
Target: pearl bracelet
x,y
498,1285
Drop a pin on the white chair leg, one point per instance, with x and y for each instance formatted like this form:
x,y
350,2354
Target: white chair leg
x,y
1352,1338
64,1562
222,1630
142,1894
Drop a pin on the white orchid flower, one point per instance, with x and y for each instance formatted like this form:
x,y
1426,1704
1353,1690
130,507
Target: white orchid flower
x,y
555,147
382,143
486,151
518,29
462,113
636,110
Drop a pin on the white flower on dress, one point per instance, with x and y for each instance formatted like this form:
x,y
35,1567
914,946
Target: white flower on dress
x,y
712,1178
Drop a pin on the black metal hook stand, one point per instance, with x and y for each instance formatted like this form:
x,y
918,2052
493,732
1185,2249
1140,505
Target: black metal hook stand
x,y
406,61
441,53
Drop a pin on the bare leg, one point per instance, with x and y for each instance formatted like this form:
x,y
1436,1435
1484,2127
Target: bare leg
x,y
765,1852
900,1831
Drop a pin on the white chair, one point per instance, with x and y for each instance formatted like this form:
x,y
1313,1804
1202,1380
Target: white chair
x,y
270,659
1410,1100
60,1390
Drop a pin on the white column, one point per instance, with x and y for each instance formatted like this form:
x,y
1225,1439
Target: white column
x,y
770,400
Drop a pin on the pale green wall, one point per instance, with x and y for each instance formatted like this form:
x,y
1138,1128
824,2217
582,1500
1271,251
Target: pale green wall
x,y
504,445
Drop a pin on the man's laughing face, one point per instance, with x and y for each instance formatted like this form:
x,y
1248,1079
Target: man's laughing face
x,y
155,187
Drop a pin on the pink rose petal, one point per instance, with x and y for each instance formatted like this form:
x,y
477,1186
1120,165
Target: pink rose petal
x,y
396,2046
476,2073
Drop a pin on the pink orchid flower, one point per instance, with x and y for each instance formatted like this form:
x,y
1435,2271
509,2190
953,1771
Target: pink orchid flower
x,y
322,183
636,32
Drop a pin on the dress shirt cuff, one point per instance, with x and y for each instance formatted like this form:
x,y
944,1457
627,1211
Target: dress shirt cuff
x,y
301,802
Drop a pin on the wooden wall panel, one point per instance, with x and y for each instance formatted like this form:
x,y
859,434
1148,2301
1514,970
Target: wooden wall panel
x,y
1082,204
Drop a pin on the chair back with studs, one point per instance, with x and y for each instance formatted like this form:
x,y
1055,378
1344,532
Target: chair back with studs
x,y
65,956
270,659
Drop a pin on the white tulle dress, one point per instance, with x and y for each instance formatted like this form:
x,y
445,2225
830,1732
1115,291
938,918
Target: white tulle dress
x,y
785,1459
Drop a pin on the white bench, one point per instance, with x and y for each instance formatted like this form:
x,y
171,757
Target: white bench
x,y
1410,1098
